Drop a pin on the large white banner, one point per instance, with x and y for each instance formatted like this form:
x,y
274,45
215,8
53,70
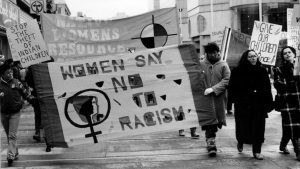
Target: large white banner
x,y
121,95
265,41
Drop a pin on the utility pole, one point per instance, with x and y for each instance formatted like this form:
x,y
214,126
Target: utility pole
x,y
180,23
211,17
260,10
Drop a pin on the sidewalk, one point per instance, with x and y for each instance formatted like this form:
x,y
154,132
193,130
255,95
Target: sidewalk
x,y
154,151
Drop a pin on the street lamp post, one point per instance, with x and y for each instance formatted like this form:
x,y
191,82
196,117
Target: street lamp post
x,y
211,17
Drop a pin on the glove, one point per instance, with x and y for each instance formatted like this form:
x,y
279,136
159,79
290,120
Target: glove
x,y
30,99
208,91
220,125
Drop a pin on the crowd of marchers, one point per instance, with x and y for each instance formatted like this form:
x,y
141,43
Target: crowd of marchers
x,y
247,87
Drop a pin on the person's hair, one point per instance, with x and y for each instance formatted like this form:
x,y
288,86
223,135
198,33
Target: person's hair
x,y
244,58
291,48
16,63
9,61
211,48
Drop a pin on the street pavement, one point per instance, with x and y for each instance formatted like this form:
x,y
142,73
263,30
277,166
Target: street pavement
x,y
164,150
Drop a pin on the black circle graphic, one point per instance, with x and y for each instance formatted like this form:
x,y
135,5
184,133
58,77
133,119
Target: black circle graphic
x,y
68,101
154,35
37,6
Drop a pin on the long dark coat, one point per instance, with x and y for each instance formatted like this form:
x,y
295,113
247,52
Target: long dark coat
x,y
250,91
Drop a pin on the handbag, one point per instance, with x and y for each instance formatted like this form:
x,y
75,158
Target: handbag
x,y
279,102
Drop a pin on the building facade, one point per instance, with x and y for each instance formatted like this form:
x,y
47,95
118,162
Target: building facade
x,y
181,6
209,17
62,8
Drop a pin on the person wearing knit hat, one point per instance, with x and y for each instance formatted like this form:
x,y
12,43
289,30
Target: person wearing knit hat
x,y
3,68
11,93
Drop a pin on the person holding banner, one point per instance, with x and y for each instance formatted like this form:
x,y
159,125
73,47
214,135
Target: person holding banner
x,y
250,91
214,75
287,100
12,91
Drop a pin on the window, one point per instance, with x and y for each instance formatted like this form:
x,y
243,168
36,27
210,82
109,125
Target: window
x,y
59,10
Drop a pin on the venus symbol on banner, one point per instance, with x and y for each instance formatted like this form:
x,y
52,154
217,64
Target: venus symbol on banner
x,y
86,105
154,35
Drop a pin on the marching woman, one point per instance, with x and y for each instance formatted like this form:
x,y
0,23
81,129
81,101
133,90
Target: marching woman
x,y
11,91
287,100
250,91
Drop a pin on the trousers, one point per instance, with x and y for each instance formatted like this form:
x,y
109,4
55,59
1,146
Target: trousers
x,y
10,123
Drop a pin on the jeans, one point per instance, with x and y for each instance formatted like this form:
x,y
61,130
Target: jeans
x,y
10,123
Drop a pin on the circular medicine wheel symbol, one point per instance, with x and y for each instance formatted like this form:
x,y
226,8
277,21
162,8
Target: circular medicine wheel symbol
x,y
154,35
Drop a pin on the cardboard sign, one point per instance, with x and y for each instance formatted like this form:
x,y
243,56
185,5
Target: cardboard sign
x,y
296,15
293,32
27,43
217,37
265,40
89,100
234,44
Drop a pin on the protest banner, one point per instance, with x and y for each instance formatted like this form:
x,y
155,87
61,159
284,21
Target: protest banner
x,y
296,70
27,43
265,41
296,15
234,44
293,27
293,32
217,36
89,100
72,38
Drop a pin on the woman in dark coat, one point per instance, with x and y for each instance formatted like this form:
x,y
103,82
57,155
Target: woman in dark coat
x,y
288,86
250,91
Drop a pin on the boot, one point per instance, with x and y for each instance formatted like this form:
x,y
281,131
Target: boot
x,y
48,146
282,147
296,144
193,133
284,150
9,162
211,146
181,133
37,136
239,147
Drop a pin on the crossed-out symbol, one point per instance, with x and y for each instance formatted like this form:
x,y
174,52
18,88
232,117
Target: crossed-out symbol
x,y
37,6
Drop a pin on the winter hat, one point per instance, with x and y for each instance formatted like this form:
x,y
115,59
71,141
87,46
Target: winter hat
x,y
3,68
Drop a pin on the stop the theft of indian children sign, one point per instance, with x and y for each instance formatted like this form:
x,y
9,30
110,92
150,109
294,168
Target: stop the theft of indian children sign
x,y
27,43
